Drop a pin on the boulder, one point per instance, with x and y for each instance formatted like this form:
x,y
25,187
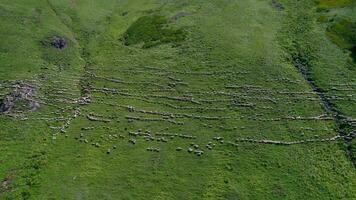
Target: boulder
x,y
59,43
21,96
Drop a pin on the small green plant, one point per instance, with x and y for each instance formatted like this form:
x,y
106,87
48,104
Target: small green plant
x,y
152,30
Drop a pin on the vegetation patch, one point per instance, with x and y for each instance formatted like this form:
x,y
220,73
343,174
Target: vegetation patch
x,y
152,30
353,53
343,34
328,4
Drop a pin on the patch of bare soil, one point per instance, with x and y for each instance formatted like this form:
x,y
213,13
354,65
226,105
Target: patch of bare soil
x,y
5,184
72,4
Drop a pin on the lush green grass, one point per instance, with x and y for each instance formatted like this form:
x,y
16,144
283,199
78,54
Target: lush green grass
x,y
327,4
152,31
340,23
343,34
247,44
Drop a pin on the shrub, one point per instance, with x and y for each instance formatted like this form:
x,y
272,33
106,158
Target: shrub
x,y
328,4
343,34
152,30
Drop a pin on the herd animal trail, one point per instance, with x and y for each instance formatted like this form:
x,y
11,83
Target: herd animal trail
x,y
191,105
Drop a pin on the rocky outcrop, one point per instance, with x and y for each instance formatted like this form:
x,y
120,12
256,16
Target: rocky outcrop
x,y
21,98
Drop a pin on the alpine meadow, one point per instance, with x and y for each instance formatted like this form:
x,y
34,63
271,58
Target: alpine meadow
x,y
177,100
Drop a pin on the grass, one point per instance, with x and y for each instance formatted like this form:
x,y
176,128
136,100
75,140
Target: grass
x,y
247,45
328,4
343,34
151,30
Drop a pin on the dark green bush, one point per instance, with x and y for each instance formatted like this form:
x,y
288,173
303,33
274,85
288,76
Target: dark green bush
x,y
152,30
329,4
343,34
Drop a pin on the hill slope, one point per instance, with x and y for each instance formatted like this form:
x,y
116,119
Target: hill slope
x,y
176,100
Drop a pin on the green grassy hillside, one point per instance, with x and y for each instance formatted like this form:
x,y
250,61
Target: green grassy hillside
x,y
251,99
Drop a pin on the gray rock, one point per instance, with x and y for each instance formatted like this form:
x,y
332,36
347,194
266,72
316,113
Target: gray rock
x,y
21,92
59,43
